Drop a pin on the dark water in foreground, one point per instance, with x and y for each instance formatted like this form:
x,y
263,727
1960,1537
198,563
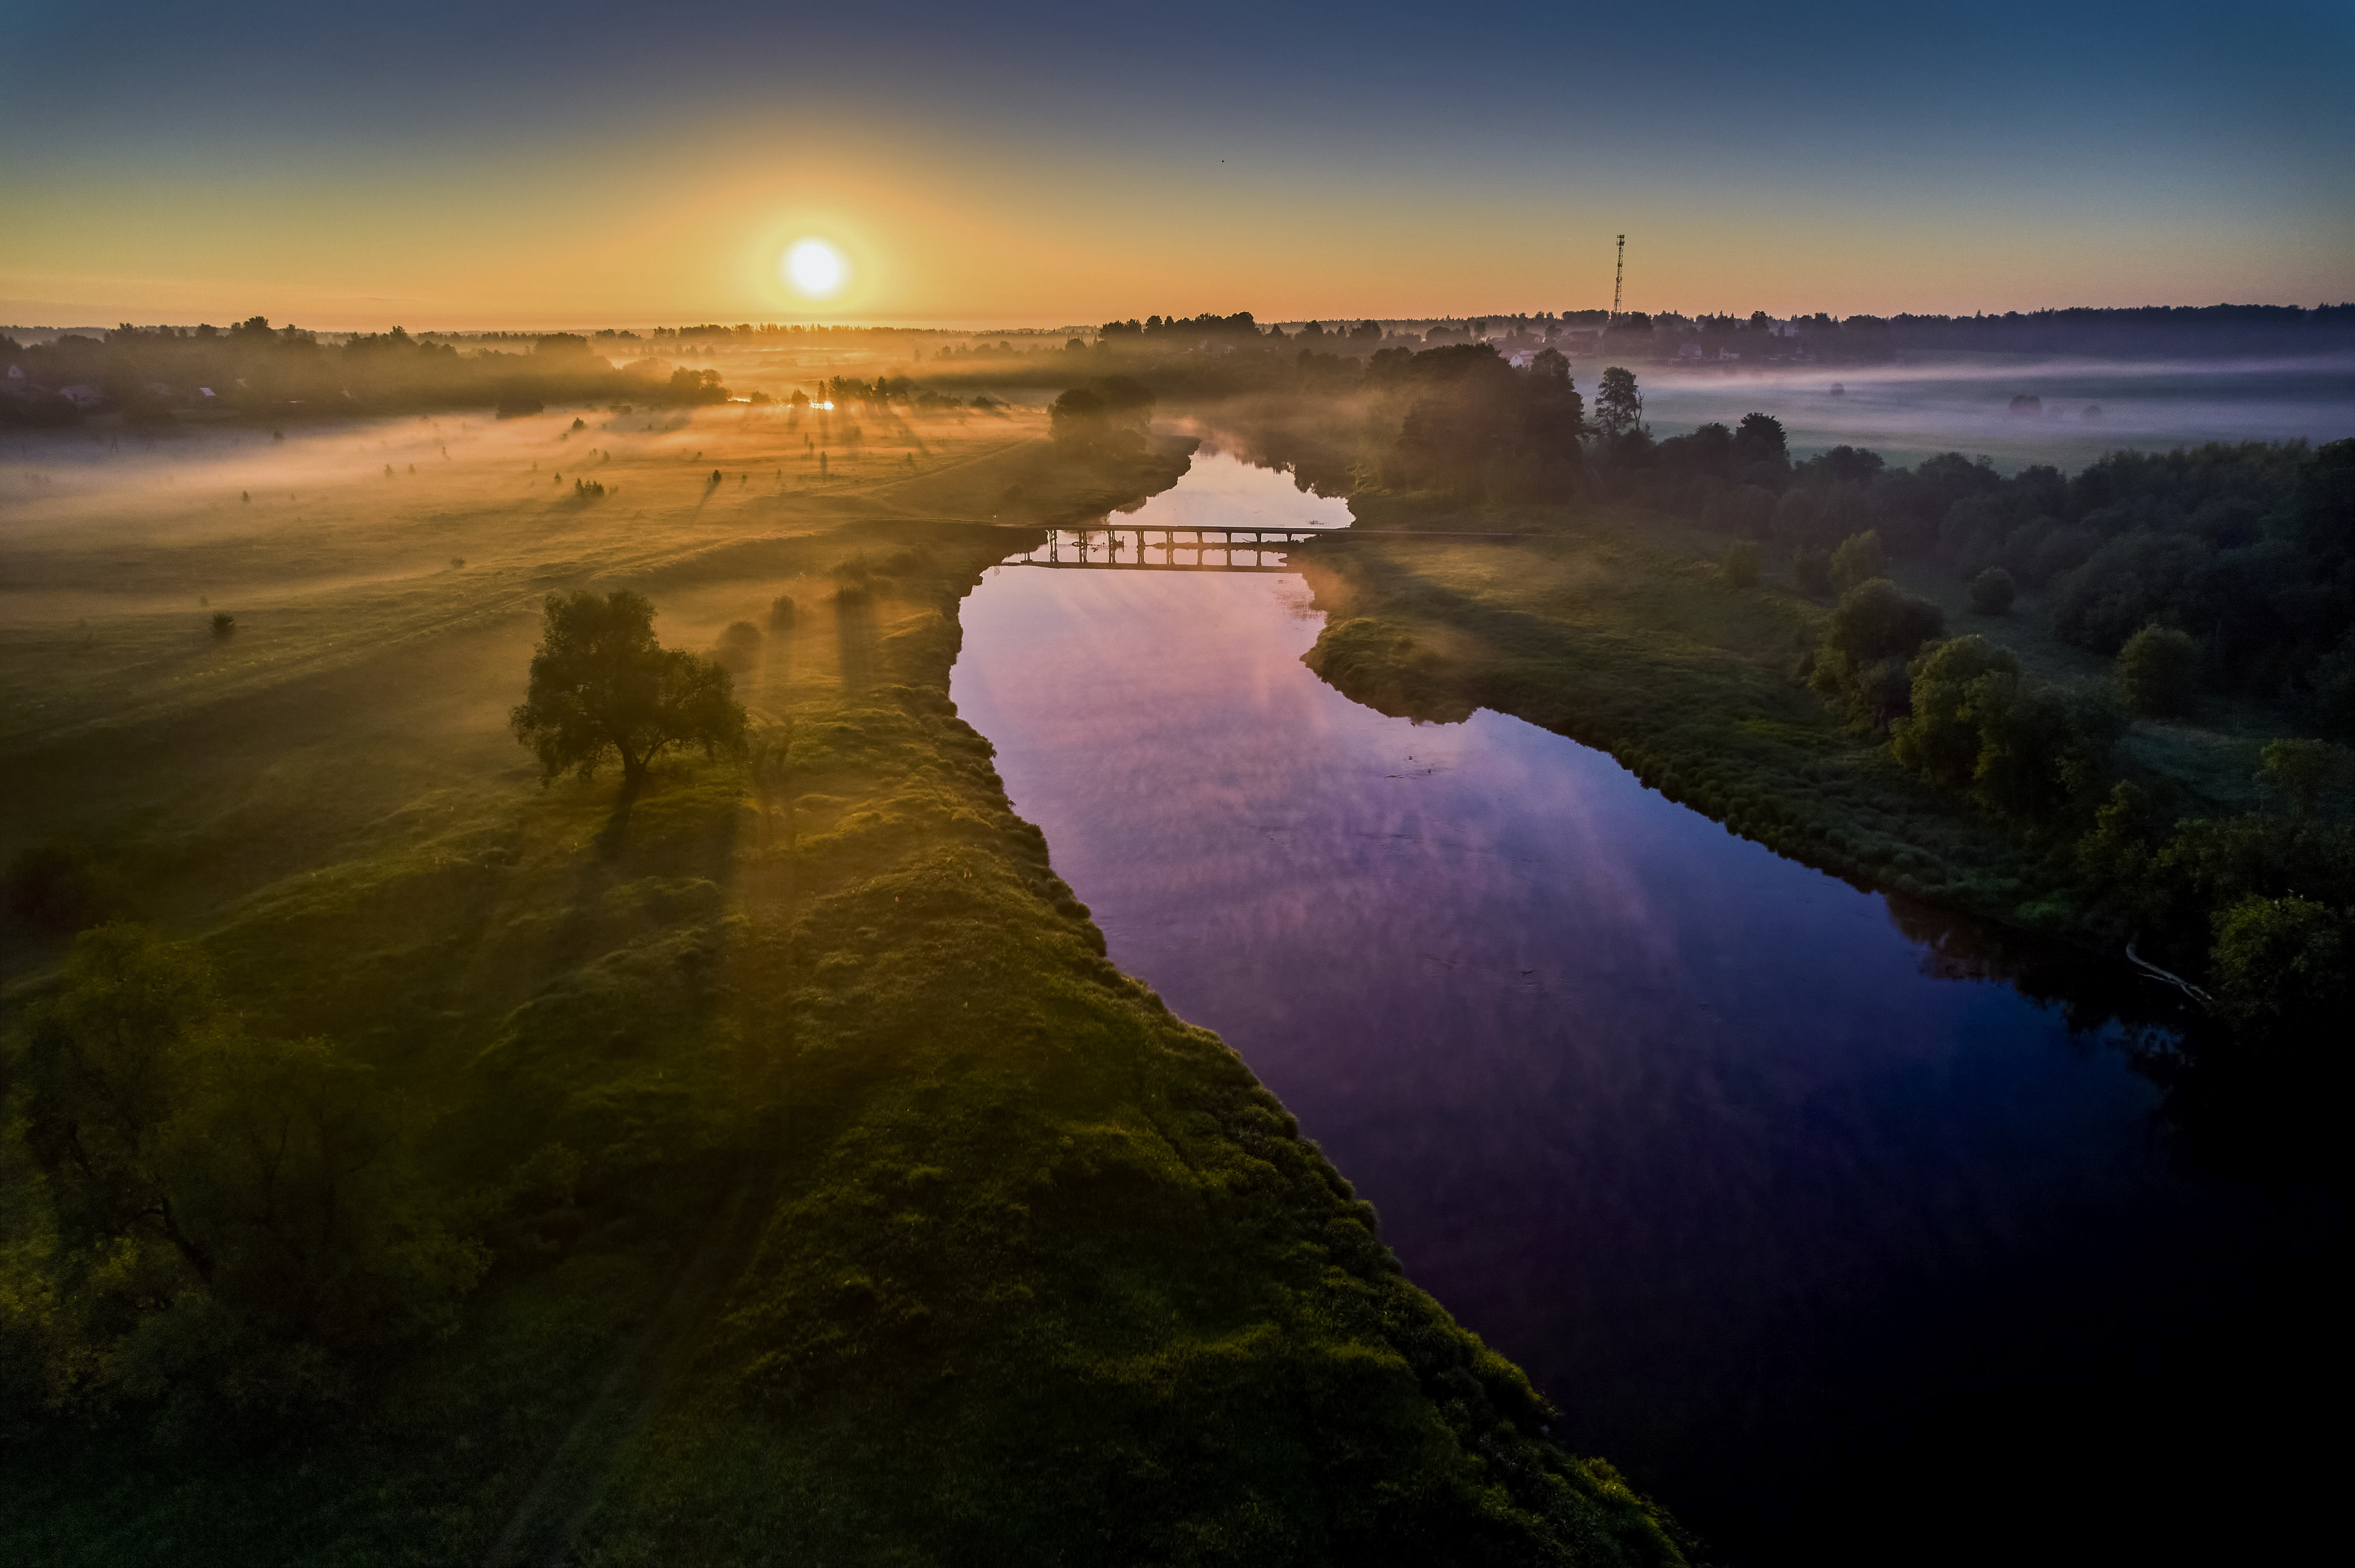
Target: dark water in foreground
x,y
1689,1130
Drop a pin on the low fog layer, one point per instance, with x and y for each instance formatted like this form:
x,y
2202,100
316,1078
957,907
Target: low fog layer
x,y
2081,409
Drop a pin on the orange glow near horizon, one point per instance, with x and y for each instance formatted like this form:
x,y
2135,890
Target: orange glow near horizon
x,y
922,239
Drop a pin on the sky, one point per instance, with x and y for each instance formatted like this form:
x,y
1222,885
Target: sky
x,y
468,165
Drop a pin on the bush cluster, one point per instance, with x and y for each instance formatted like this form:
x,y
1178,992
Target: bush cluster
x,y
2248,550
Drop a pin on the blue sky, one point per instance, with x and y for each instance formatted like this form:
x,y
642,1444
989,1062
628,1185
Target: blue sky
x,y
1056,163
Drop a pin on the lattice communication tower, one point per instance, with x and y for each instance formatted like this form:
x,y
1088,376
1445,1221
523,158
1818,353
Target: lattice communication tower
x,y
1618,276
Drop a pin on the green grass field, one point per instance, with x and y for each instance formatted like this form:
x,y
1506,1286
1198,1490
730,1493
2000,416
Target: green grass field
x,y
846,1203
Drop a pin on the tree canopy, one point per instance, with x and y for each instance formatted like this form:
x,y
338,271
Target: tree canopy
x,y
602,687
1618,405
1110,414
234,1214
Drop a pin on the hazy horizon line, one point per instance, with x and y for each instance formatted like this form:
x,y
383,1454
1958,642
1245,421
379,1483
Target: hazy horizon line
x,y
1038,328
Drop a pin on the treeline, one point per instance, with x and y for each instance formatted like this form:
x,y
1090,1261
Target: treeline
x,y
2147,330
880,337
2246,549
2207,331
2223,573
153,375
2158,330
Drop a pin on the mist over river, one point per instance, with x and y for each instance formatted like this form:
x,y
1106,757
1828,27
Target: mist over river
x,y
1696,1134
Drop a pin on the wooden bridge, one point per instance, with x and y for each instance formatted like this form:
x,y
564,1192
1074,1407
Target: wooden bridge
x,y
1205,547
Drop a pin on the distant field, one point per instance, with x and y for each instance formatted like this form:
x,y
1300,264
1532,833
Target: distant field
x,y
392,610
1962,402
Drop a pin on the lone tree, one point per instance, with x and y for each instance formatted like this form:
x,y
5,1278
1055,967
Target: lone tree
x,y
1618,404
600,684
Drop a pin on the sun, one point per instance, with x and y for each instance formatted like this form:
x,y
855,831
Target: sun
x,y
816,268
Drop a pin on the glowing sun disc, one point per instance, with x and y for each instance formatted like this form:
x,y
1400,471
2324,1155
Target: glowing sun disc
x,y
814,266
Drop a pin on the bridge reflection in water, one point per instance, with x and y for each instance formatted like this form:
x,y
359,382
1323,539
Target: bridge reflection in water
x,y
1128,547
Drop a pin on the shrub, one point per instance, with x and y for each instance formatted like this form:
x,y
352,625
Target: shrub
x,y
2279,965
781,612
1866,643
2040,747
740,647
224,623
1877,621
2157,671
1858,559
1992,591
1940,738
2302,775
1740,565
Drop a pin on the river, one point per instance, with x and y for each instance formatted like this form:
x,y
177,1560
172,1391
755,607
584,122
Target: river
x,y
1698,1135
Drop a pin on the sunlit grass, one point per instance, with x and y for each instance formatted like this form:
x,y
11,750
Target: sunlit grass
x,y
894,1223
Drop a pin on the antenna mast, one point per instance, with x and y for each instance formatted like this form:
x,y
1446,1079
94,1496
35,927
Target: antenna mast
x,y
1617,278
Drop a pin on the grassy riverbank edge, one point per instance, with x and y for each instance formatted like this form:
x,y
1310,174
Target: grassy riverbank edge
x,y
900,1227
1586,627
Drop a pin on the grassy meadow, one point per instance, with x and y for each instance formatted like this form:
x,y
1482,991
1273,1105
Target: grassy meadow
x,y
840,1201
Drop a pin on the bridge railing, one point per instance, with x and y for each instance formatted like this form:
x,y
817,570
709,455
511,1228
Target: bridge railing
x,y
1205,547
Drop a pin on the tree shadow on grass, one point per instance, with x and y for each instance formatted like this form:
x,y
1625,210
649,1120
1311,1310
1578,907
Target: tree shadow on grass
x,y
614,834
859,642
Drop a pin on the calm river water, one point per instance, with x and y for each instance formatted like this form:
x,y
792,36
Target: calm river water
x,y
1691,1131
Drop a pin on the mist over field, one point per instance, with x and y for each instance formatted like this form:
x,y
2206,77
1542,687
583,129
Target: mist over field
x,y
2085,407
925,786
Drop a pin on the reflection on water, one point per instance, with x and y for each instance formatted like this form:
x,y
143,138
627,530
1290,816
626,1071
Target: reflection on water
x,y
1689,1130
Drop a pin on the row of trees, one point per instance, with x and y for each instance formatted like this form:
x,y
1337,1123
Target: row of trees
x,y
2247,550
152,374
2210,329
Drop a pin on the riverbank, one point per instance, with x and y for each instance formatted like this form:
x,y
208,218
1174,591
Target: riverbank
x,y
1591,628
844,1201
